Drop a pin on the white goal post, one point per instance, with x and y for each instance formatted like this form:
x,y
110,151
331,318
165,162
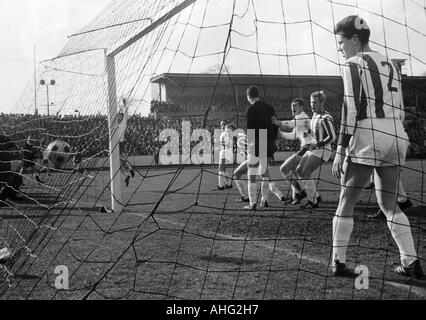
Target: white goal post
x,y
116,180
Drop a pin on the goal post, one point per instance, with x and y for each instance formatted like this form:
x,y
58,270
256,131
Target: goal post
x,y
115,162
114,155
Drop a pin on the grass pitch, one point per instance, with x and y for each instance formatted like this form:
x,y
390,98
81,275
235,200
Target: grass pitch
x,y
178,239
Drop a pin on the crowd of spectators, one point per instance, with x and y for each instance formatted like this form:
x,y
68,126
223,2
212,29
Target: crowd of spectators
x,y
89,135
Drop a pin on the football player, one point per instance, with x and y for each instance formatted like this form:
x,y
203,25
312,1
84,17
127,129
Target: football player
x,y
301,125
372,138
122,117
260,117
320,150
226,145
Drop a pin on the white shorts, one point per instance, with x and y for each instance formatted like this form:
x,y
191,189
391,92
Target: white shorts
x,y
323,153
379,143
257,166
226,156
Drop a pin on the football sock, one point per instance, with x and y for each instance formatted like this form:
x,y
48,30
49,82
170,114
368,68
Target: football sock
x,y
311,190
274,189
342,230
252,189
265,190
402,195
399,227
228,179
221,177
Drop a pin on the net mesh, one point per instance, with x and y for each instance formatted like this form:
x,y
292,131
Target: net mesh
x,y
176,238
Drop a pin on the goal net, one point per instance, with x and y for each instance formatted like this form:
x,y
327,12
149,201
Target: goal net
x,y
133,213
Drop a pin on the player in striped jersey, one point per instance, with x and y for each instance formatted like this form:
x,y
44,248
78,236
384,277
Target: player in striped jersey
x,y
226,149
323,134
372,138
301,125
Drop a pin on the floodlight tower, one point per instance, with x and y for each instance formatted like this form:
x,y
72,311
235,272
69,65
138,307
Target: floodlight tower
x,y
44,83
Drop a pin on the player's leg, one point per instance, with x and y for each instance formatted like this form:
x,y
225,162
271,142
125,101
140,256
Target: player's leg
x,y
398,223
404,201
352,183
228,179
125,167
288,169
253,172
241,183
221,174
252,188
264,189
269,186
305,171
299,196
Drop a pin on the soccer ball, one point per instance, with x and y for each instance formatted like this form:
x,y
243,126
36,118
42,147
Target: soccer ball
x,y
57,154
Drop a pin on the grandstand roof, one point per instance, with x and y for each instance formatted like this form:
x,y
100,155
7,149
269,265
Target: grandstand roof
x,y
204,79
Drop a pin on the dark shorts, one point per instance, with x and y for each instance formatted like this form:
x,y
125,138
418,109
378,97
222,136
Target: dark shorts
x,y
270,150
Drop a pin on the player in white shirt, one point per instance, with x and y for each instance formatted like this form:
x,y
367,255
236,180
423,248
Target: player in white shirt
x,y
320,150
301,125
372,138
225,153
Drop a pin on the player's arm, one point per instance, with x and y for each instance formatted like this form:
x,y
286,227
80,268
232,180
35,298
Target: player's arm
x,y
352,87
402,111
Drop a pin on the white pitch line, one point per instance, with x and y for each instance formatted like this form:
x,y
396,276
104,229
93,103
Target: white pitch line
x,y
421,292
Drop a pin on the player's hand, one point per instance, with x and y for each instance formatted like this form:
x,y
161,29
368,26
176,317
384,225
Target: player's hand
x,y
276,122
337,169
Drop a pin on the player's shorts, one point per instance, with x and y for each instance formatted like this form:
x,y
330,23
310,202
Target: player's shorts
x,y
257,166
303,150
379,143
226,156
323,153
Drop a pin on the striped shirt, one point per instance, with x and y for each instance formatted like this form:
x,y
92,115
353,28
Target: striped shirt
x,y
322,130
372,87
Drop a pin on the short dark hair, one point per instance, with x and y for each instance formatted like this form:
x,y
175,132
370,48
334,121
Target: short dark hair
x,y
253,92
299,101
353,25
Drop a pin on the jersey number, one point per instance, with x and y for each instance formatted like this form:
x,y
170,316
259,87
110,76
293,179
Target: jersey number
x,y
391,74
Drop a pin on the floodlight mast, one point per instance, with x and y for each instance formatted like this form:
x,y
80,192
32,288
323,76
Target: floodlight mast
x,y
116,179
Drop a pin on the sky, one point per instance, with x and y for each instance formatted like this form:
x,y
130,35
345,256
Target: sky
x,y
44,23
47,23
